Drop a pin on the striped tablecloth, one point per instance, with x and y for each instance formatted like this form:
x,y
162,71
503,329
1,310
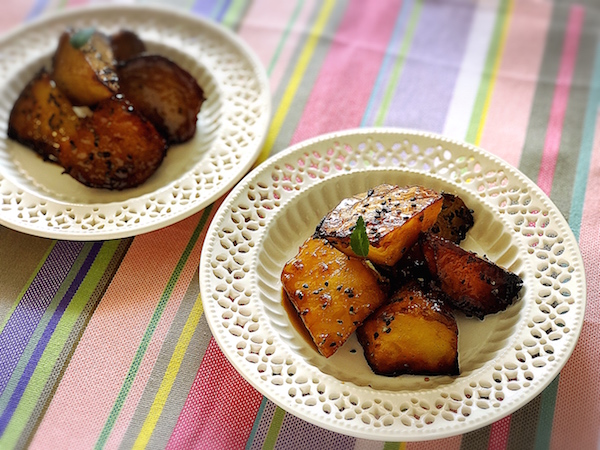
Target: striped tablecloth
x,y
104,344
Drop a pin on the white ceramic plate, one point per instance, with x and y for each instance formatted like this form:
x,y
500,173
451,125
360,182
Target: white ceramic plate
x,y
505,360
37,198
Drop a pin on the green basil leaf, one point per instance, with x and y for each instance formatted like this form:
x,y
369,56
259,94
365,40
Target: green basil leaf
x,y
359,241
80,37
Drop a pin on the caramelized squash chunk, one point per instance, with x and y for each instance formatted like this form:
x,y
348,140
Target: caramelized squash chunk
x,y
164,93
86,75
394,217
332,293
115,148
454,219
42,118
473,284
415,333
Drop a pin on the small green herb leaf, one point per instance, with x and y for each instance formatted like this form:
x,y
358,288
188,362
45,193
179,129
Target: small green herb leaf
x,y
359,241
80,37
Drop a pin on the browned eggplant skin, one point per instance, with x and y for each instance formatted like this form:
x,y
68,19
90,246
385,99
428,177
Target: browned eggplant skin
x,y
163,92
126,44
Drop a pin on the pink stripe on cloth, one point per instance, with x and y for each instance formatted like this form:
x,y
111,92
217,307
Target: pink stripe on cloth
x,y
218,396
508,115
499,434
98,368
264,26
451,443
14,12
353,62
561,99
151,355
577,413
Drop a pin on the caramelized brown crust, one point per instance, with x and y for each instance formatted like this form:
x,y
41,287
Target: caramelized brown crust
x,y
115,148
332,293
164,93
42,118
454,220
85,75
394,217
415,333
126,44
473,284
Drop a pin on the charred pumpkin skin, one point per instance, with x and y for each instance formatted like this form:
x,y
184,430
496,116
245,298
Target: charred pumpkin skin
x,y
394,217
332,292
474,285
415,333
42,118
454,220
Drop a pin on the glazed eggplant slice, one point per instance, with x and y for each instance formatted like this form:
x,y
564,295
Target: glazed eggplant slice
x,y
454,220
332,293
474,285
164,93
115,148
125,45
42,118
394,217
84,67
415,333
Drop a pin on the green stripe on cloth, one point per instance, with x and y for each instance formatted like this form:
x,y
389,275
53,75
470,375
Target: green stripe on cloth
x,y
71,343
274,429
544,428
114,414
56,344
542,101
585,152
285,35
493,56
399,64
41,327
13,243
259,415
234,13
572,131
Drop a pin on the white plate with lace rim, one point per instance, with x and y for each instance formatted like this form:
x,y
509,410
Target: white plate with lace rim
x,y
505,360
37,198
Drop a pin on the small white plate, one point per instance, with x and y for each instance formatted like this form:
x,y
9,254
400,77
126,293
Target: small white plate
x,y
505,360
37,198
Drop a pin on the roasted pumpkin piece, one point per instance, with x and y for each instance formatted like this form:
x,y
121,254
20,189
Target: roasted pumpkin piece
x,y
454,219
332,293
126,44
394,217
164,93
473,284
115,148
42,118
415,333
85,71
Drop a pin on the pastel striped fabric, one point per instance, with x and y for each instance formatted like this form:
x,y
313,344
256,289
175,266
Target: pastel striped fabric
x,y
104,345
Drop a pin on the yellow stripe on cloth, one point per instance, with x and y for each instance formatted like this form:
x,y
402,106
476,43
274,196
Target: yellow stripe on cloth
x,y
294,83
170,375
494,75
